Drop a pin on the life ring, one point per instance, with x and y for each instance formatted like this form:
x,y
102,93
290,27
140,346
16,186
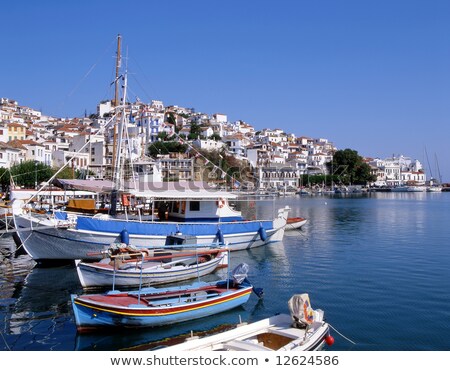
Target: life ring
x,y
221,202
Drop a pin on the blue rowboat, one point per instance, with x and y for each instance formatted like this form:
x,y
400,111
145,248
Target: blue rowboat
x,y
150,307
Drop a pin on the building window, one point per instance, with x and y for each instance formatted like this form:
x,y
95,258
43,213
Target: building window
x,y
194,205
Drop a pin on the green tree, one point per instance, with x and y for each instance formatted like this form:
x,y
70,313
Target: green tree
x,y
171,119
350,168
162,135
216,137
196,131
164,148
223,166
30,173
5,179
69,173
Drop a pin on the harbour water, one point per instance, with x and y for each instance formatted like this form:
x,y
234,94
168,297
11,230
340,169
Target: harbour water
x,y
377,264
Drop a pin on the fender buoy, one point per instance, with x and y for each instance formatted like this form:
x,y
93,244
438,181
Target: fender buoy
x,y
329,340
125,237
262,233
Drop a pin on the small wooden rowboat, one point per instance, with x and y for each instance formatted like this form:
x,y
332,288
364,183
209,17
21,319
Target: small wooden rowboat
x,y
303,330
150,307
295,223
138,269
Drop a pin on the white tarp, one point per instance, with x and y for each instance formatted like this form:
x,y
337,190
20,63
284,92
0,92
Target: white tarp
x,y
154,190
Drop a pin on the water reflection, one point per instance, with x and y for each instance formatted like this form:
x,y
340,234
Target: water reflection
x,y
155,337
353,254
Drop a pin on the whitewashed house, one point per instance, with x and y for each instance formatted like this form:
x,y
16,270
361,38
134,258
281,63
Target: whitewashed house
x,y
9,155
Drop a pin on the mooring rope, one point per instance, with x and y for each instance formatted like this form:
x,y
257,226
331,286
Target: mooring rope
x,y
7,346
346,338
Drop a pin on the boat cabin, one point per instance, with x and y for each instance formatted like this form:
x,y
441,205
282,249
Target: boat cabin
x,y
197,210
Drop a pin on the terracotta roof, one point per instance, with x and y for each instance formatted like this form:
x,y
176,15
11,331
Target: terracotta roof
x,y
13,124
26,142
4,145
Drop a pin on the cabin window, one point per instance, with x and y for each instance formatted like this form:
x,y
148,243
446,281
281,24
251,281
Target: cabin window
x,y
183,207
194,205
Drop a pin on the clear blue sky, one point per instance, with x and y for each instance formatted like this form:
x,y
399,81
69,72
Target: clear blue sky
x,y
369,75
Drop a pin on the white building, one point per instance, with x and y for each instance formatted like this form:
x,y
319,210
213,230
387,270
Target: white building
x,y
259,155
278,177
208,144
9,155
220,117
175,167
237,144
151,125
397,171
104,108
3,133
36,152
80,160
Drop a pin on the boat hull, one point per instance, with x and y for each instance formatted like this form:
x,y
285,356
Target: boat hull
x,y
100,275
295,223
100,311
271,334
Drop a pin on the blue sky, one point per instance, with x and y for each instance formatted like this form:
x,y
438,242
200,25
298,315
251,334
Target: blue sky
x,y
369,75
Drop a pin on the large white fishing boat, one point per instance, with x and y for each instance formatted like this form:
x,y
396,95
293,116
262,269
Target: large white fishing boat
x,y
205,216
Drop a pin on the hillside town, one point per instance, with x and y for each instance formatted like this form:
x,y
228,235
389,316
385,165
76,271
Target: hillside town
x,y
276,159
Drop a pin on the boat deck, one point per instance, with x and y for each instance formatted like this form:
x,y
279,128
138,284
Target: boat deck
x,y
154,299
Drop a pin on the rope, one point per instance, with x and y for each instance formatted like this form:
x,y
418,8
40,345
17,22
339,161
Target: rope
x,y
7,346
89,71
346,338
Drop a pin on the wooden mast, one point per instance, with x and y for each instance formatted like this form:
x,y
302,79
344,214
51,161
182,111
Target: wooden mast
x,y
115,104
116,100
118,62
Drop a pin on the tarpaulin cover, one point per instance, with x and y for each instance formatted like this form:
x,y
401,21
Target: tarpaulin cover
x,y
164,229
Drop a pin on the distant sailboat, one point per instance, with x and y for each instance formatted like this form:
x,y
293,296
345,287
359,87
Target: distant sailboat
x,y
435,185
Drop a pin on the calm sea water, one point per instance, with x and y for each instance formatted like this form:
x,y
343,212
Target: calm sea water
x,y
378,265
